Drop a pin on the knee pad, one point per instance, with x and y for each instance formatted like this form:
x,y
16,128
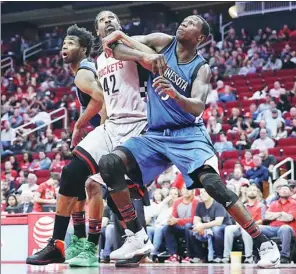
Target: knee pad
x,y
214,186
74,176
112,171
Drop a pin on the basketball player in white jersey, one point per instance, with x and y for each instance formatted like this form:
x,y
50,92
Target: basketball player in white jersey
x,y
126,117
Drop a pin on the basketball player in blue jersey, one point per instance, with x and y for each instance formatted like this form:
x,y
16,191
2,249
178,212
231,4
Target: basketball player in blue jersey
x,y
176,135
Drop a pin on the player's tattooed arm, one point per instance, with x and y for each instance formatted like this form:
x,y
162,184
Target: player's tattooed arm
x,y
199,91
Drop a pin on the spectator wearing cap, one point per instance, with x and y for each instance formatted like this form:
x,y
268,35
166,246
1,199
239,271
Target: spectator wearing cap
x,y
224,144
272,122
269,161
258,174
257,210
263,141
227,95
238,180
282,217
276,91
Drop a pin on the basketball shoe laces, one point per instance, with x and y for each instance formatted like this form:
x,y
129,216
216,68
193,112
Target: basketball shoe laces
x,y
265,251
48,248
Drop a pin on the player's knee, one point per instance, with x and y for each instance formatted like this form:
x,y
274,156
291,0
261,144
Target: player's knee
x,y
217,190
93,188
73,179
112,171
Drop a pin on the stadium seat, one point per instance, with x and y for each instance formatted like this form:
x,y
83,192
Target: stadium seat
x,y
225,127
277,151
226,155
286,142
267,73
42,173
290,151
229,164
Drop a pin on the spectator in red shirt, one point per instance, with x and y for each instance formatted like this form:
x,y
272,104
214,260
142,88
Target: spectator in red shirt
x,y
257,210
282,215
46,194
26,161
58,163
181,219
209,111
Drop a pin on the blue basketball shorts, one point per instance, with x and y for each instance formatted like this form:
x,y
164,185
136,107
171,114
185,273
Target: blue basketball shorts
x,y
187,148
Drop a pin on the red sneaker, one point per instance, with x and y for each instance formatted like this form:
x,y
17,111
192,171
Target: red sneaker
x,y
172,259
186,260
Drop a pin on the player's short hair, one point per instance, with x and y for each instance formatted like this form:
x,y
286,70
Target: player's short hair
x,y
85,37
205,26
97,18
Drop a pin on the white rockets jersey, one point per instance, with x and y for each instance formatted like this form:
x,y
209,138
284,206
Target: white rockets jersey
x,y
121,86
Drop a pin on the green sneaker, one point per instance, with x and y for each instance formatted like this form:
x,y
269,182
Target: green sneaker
x,y
88,257
75,247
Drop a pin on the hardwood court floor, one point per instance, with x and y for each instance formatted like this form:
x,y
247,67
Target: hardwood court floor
x,y
20,268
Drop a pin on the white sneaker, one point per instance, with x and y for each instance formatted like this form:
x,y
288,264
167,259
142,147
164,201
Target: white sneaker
x,y
135,244
269,255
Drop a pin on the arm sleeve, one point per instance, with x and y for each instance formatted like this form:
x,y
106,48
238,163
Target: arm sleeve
x,y
175,212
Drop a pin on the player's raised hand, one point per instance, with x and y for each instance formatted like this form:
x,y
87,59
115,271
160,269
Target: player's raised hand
x,y
157,61
109,39
164,86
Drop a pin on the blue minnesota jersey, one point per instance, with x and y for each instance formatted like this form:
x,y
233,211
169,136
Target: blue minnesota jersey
x,y
84,98
162,111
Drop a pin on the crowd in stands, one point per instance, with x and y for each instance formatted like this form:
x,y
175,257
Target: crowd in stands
x,y
250,116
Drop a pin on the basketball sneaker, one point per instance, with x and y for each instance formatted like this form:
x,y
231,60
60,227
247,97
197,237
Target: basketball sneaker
x,y
53,253
88,256
269,255
75,247
135,244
